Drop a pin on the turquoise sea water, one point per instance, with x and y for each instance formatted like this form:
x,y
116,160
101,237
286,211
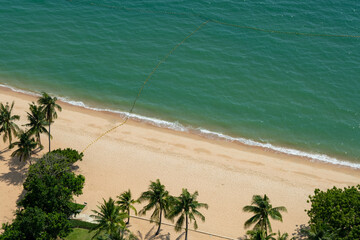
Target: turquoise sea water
x,y
293,92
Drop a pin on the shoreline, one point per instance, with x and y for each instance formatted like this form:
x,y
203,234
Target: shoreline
x,y
204,133
226,174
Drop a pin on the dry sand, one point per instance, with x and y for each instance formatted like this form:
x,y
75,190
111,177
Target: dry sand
x,y
225,174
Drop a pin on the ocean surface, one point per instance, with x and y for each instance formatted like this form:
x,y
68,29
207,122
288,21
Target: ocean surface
x,y
298,94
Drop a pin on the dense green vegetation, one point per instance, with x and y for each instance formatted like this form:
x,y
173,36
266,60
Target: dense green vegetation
x,y
47,203
335,214
71,156
74,223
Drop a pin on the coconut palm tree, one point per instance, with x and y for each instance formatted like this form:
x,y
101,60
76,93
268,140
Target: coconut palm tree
x,y
37,122
7,122
159,200
110,219
49,106
263,209
26,146
187,207
283,236
126,202
259,234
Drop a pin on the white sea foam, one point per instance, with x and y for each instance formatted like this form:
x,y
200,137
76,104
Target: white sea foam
x,y
314,156
20,91
204,132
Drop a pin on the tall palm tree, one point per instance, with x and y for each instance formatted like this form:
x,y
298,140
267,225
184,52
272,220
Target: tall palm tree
x,y
26,146
159,200
49,107
37,122
7,122
126,202
263,209
109,219
187,207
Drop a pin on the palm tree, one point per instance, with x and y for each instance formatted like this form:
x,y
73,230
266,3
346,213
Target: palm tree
x,y
26,146
126,203
187,207
159,199
7,124
109,219
49,107
37,122
262,209
283,236
258,234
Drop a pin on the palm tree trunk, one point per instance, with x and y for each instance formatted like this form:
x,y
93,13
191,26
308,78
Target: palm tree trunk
x,y
128,222
49,135
186,227
158,231
10,138
265,227
38,138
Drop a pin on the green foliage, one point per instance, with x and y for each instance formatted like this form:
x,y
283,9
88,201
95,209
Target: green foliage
x,y
335,212
47,203
283,236
126,202
37,122
318,233
26,147
70,155
110,220
186,207
35,224
81,224
8,126
50,185
49,106
158,199
79,234
263,209
259,234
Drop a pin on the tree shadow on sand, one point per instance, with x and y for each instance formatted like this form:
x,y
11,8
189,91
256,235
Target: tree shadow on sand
x,y
17,169
150,235
2,152
16,173
300,232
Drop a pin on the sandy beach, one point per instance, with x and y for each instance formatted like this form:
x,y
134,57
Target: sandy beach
x,y
225,174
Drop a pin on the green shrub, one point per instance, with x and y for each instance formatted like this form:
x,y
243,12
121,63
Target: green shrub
x,y
336,212
81,224
69,154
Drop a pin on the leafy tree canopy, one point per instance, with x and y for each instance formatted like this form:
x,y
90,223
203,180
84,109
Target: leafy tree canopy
x,y
70,155
336,211
50,185
33,223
